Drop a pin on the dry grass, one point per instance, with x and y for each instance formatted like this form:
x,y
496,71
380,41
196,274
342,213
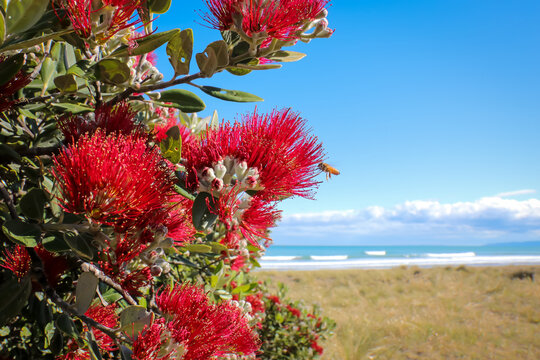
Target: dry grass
x,y
413,313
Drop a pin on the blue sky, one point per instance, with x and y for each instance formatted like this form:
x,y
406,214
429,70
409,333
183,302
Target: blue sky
x,y
422,106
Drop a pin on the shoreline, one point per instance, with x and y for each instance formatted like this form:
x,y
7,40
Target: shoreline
x,y
389,263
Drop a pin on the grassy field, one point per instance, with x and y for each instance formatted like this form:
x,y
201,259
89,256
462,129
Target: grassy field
x,y
412,313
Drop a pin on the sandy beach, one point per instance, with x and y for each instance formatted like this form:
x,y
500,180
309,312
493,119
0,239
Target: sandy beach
x,y
452,312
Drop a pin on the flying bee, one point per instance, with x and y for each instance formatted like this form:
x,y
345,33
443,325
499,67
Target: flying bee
x,y
329,170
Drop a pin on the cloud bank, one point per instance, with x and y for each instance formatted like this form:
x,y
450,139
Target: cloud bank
x,y
489,219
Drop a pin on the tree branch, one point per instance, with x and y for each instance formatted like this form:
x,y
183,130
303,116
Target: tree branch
x,y
87,267
162,85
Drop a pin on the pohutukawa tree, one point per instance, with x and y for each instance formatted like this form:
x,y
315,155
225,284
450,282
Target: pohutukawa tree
x,y
130,224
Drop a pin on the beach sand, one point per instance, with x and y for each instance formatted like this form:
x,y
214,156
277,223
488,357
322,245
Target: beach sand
x,y
457,312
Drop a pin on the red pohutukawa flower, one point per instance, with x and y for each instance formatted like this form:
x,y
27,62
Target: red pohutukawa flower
x,y
17,260
20,80
279,19
114,180
105,315
198,329
110,119
272,154
251,216
113,16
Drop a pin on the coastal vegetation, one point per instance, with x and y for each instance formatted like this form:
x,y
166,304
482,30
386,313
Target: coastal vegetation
x,y
417,313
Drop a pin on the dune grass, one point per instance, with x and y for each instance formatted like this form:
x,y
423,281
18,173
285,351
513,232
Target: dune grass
x,y
413,313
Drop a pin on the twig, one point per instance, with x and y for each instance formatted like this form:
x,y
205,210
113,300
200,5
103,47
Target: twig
x,y
9,201
112,333
162,85
39,275
87,267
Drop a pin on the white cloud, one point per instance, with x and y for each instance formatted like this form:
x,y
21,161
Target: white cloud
x,y
516,193
495,218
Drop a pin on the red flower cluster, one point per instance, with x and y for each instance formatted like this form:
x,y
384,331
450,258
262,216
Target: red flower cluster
x,y
257,304
111,17
294,311
271,156
115,180
278,19
198,329
17,260
110,119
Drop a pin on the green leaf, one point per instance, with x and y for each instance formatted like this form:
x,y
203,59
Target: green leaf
x,y
23,14
14,297
65,324
147,44
111,295
134,318
56,344
125,353
66,83
79,245
85,291
93,348
241,289
55,243
202,216
182,99
7,151
2,28
73,108
198,248
36,40
10,67
83,69
113,71
48,71
221,51
238,71
254,262
223,294
183,192
218,248
207,62
287,56
171,146
21,232
33,203
230,95
159,6
180,50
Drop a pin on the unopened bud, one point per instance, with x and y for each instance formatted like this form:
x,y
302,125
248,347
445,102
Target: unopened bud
x,y
155,270
217,184
240,169
323,14
208,174
220,169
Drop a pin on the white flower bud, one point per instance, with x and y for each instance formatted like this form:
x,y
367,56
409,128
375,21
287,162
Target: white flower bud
x,y
220,169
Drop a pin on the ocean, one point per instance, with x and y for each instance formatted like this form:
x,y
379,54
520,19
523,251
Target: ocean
x,y
380,257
